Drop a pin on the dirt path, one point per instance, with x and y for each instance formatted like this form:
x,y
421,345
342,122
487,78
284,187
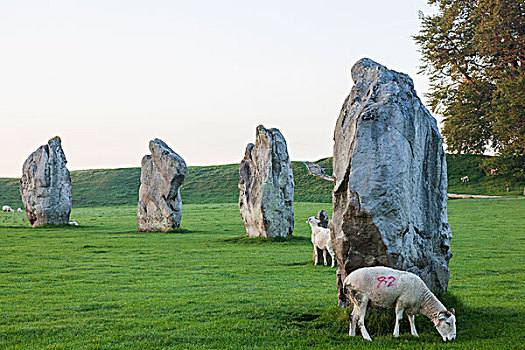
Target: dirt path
x,y
317,170
453,195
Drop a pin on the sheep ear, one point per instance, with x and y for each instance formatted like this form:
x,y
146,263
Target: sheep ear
x,y
452,311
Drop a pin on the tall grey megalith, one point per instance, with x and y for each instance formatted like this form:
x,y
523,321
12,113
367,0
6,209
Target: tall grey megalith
x,y
266,186
45,185
162,174
389,198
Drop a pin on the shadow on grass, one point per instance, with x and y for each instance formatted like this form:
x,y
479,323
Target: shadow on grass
x,y
16,227
60,226
381,322
174,230
177,230
262,240
299,263
473,323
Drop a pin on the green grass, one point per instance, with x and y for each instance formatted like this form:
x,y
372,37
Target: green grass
x,y
218,184
203,184
462,165
480,183
9,193
102,285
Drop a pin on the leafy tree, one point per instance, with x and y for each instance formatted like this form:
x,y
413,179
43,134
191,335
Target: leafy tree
x,y
474,53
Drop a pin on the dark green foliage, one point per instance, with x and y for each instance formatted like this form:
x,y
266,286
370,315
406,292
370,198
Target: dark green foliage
x,y
102,285
474,52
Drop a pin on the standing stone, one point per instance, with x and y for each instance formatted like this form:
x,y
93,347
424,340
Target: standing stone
x,y
266,186
162,174
45,185
390,200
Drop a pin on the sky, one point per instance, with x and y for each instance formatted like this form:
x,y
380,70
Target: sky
x,y
108,76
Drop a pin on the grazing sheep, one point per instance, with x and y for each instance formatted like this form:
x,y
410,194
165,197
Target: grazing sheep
x,y
465,179
385,288
321,239
7,209
73,222
19,210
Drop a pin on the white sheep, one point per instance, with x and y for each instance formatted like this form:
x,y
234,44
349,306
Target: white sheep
x,y
385,288
7,209
73,222
19,210
465,179
321,239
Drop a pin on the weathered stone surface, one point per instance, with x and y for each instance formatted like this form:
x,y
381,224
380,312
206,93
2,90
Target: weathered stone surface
x,y
162,174
266,186
45,185
390,192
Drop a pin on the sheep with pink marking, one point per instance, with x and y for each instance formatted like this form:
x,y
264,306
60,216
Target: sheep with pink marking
x,y
381,287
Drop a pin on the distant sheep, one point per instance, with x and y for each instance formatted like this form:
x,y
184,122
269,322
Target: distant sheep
x,y
321,239
465,179
73,222
19,210
385,288
7,209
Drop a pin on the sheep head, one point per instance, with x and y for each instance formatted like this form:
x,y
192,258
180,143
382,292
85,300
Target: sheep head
x,y
312,220
445,323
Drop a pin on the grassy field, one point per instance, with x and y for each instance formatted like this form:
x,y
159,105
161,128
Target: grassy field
x,y
203,185
218,184
104,286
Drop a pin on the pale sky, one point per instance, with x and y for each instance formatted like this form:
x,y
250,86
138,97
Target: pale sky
x,y
108,76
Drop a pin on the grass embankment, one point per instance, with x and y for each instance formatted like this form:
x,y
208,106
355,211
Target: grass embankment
x,y
104,286
462,165
218,184
203,184
480,182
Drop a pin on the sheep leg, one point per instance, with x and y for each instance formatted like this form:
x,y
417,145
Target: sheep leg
x,y
399,316
412,321
315,255
332,254
362,309
353,321
324,257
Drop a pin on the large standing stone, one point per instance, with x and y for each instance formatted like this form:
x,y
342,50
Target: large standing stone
x,y
266,186
390,200
45,185
162,174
